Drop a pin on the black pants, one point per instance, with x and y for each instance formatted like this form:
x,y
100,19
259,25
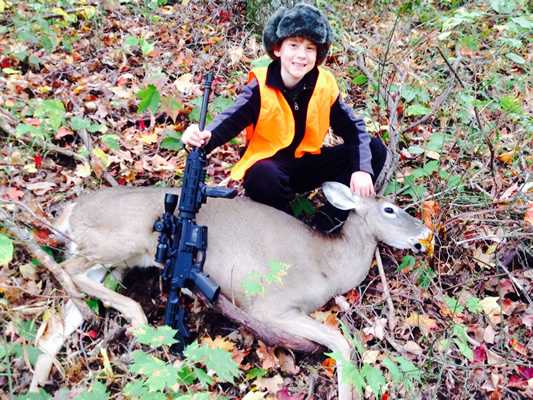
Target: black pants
x,y
275,181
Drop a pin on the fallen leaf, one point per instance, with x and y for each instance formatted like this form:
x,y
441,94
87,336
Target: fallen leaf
x,y
506,157
287,362
254,396
40,188
518,347
430,213
491,308
528,217
271,385
480,355
489,335
218,343
422,322
266,356
329,366
517,382
370,356
284,394
377,329
413,348
184,84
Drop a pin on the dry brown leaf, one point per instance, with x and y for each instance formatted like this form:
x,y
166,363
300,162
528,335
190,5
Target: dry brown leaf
x,y
430,213
528,217
219,343
287,362
422,322
413,348
271,385
266,356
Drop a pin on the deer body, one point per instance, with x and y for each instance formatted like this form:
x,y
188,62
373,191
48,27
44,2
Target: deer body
x,y
113,227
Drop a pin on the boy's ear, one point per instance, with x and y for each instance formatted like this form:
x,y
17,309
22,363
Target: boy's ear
x,y
276,50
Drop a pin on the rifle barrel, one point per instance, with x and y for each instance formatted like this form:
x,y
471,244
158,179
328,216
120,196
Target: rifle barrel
x,y
207,89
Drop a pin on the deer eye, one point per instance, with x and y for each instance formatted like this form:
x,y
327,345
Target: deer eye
x,y
389,210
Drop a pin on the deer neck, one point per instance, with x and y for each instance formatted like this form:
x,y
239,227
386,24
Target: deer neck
x,y
351,254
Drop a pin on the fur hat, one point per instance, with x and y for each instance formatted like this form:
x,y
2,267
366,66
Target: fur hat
x,y
301,20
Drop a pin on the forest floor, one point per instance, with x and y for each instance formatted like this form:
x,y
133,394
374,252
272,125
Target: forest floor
x,y
98,95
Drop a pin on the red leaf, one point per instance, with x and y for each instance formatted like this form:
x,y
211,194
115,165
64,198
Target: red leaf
x,y
480,354
142,126
5,62
518,382
284,394
92,334
526,372
385,396
37,159
224,16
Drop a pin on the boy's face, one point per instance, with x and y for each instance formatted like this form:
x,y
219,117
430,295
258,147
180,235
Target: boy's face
x,y
298,57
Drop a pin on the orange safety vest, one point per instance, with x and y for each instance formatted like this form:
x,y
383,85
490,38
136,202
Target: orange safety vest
x,y
274,129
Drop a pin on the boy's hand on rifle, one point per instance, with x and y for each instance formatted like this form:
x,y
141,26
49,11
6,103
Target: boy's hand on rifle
x,y
194,137
361,184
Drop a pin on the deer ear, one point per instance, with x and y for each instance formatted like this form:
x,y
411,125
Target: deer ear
x,y
339,195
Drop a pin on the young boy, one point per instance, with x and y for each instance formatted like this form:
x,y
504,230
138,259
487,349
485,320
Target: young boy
x,y
287,109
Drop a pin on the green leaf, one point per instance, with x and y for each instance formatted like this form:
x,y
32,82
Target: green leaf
x,y
220,103
464,349
374,378
408,93
515,58
218,360
510,105
459,331
137,390
40,395
93,128
263,61
352,375
408,261
252,284
409,369
94,305
149,99
155,336
301,206
97,391
204,379
131,41
431,167
170,143
277,271
111,141
360,80
146,47
6,250
417,109
79,123
503,6
396,374
27,329
436,142
53,111
256,373
425,277
453,305
473,305
158,374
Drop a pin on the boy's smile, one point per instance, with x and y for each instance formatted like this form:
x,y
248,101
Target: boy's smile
x,y
298,57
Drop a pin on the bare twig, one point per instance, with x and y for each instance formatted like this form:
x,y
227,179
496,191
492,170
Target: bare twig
x,y
386,292
48,262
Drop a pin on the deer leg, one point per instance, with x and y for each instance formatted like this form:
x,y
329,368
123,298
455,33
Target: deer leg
x,y
301,325
128,307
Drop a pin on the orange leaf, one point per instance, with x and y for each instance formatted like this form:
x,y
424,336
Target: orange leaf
x,y
266,356
430,212
506,157
329,366
425,324
518,347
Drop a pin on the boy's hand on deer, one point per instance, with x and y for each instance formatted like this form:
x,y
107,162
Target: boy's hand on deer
x,y
194,137
361,184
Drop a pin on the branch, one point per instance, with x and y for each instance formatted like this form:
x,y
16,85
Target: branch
x,y
64,279
386,292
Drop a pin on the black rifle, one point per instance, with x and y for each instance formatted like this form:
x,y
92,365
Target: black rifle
x,y
182,244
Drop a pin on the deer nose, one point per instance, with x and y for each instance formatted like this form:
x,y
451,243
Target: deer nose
x,y
418,247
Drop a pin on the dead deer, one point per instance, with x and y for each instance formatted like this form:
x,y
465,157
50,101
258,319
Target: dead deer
x,y
114,227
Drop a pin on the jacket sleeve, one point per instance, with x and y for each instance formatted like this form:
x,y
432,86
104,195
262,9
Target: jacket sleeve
x,y
229,123
353,130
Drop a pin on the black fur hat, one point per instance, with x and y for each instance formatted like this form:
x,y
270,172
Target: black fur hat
x,y
301,20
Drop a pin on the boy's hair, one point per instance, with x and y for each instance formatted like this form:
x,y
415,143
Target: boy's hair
x,y
302,20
